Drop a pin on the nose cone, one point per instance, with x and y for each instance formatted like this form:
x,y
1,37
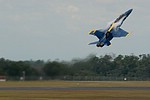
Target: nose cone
x,y
128,12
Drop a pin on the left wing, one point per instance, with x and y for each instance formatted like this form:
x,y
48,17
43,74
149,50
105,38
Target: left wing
x,y
119,33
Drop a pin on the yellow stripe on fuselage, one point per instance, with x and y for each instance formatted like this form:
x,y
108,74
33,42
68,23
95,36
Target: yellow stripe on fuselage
x,y
111,27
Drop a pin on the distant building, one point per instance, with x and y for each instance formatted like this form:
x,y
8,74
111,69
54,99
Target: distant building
x,y
2,78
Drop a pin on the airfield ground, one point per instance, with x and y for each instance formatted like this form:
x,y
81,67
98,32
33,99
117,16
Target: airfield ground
x,y
75,94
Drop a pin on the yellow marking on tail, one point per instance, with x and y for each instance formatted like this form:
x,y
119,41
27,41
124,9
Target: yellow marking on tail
x,y
92,30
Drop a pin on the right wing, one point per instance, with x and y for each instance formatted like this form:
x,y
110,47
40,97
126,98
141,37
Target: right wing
x,y
119,33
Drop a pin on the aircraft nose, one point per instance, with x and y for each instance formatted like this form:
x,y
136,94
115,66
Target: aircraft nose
x,y
128,12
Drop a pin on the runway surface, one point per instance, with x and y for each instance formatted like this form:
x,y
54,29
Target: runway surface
x,y
74,88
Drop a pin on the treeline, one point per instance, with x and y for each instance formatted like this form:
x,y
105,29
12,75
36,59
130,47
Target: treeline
x,y
107,65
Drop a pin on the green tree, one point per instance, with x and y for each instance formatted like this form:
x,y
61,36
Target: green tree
x,y
55,69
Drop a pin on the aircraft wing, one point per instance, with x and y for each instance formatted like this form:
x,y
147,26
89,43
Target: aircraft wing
x,y
119,33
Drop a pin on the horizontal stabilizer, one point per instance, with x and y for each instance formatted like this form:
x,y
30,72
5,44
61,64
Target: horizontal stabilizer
x,y
93,43
108,43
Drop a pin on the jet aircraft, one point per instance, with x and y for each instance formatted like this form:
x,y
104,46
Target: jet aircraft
x,y
113,30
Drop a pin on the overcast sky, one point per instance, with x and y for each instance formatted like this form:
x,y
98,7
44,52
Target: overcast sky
x,y
58,29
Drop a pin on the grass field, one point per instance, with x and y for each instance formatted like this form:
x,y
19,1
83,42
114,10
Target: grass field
x,y
75,84
75,94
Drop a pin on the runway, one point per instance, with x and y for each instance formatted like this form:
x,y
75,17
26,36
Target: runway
x,y
74,88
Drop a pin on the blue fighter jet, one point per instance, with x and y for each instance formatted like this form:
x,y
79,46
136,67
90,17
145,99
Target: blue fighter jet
x,y
113,30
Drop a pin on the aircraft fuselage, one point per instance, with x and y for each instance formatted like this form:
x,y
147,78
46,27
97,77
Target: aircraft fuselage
x,y
106,35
